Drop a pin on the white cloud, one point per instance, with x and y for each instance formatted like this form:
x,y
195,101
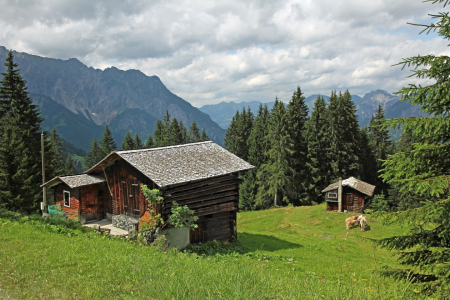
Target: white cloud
x,y
212,51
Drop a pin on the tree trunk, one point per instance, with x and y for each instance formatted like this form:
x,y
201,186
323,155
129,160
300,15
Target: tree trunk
x,y
276,193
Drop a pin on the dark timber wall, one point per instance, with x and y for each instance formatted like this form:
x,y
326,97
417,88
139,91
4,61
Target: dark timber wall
x,y
124,181
213,200
73,211
352,200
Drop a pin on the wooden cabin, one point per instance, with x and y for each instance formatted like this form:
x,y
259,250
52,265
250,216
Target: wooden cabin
x,y
203,176
350,195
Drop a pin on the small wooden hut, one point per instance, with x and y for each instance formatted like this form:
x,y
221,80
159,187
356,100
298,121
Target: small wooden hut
x,y
203,176
350,195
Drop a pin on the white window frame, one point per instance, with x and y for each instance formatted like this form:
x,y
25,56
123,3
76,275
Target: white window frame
x,y
332,193
64,198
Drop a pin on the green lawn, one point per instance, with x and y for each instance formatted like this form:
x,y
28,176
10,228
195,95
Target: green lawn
x,y
288,253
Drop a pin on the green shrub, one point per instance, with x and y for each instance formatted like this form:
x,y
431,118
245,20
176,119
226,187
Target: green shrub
x,y
181,216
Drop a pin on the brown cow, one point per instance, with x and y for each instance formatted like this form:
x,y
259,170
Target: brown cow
x,y
350,221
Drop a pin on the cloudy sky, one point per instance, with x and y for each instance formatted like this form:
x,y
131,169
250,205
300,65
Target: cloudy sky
x,y
212,51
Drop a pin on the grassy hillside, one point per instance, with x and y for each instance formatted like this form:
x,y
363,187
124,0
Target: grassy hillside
x,y
288,253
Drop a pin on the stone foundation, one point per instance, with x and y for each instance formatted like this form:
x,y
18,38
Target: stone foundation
x,y
125,222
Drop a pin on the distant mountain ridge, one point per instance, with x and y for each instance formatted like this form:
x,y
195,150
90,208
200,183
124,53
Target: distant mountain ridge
x,y
366,106
79,101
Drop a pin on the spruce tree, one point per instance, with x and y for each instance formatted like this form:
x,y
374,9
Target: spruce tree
x,y
425,170
380,144
258,146
69,166
369,171
149,142
319,151
94,155
344,131
17,191
176,135
159,134
203,136
238,132
128,142
297,113
20,127
183,130
231,135
194,133
54,161
107,142
137,142
275,176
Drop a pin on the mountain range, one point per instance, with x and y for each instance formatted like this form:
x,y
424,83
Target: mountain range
x,y
223,112
79,100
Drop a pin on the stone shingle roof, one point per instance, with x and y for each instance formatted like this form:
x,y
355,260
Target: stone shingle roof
x,y
183,163
74,181
354,183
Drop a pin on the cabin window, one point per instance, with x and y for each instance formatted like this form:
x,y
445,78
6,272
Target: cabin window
x,y
66,198
332,195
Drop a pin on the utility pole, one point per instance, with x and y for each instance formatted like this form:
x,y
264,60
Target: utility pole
x,y
44,194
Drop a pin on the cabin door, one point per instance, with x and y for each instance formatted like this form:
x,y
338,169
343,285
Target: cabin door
x,y
131,194
199,234
348,202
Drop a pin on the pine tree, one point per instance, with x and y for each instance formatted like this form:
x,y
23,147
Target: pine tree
x,y
203,136
94,155
231,135
194,133
16,191
159,134
275,176
128,142
138,142
176,135
369,172
297,114
319,151
238,132
107,142
258,146
380,143
184,135
69,166
20,127
149,142
425,170
54,162
344,131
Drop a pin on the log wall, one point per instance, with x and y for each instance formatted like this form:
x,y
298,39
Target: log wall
x,y
214,201
352,201
74,210
92,200
125,181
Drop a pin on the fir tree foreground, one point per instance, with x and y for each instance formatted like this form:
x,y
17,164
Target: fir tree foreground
x,y
424,169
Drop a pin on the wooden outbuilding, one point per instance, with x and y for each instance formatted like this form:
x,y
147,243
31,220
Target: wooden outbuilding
x,y
203,176
350,195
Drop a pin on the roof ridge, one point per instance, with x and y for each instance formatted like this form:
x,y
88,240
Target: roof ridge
x,y
163,147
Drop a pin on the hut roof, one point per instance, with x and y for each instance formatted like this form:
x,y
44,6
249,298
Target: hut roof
x,y
354,183
74,181
181,163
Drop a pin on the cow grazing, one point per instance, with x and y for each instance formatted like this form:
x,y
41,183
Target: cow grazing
x,y
350,221
362,223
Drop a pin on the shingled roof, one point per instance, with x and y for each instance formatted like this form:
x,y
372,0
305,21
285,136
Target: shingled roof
x,y
74,181
181,163
354,183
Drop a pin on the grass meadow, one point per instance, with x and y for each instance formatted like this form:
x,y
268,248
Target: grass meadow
x,y
285,253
